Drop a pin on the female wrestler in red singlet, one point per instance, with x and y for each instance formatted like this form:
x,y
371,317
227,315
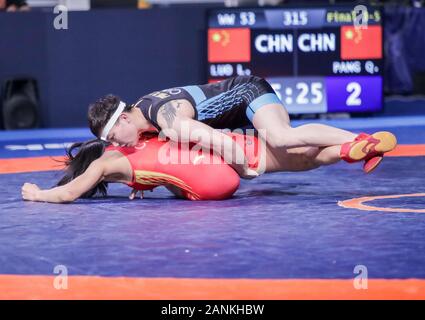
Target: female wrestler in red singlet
x,y
188,172
204,177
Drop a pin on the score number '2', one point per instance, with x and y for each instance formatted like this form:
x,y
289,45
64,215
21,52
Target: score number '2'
x,y
354,98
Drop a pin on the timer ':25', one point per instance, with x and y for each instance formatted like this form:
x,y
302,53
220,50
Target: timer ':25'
x,y
305,93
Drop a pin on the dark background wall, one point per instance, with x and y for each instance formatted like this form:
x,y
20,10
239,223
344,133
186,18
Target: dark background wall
x,y
132,52
125,52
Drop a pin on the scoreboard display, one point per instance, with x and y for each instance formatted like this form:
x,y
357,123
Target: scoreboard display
x,y
318,60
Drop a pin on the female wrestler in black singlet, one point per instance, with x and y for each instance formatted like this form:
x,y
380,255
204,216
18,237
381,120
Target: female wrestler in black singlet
x,y
192,113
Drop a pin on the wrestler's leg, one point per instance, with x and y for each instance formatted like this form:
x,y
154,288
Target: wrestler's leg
x,y
328,155
294,159
268,115
301,158
273,119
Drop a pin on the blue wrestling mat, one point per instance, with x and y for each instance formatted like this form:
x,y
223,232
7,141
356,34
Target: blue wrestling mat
x,y
277,226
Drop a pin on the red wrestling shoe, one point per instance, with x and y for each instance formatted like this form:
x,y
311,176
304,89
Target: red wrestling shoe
x,y
371,164
367,147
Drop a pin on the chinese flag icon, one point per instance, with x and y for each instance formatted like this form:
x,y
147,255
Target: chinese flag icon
x,y
361,43
229,45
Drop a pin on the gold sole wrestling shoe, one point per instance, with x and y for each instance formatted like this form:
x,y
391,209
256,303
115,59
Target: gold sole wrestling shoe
x,y
366,147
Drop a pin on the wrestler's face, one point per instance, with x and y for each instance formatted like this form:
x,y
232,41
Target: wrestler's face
x,y
124,132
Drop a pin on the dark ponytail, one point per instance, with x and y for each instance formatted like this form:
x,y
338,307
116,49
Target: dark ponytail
x,y
77,163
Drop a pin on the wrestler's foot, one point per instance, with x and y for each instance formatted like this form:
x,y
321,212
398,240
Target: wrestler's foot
x,y
366,147
371,164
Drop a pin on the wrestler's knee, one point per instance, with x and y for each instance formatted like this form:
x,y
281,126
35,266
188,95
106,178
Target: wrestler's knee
x,y
282,137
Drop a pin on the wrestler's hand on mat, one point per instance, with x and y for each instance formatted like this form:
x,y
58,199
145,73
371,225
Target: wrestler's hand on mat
x,y
30,191
248,173
133,194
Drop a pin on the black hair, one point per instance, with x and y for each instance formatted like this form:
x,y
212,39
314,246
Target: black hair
x,y
102,110
79,157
